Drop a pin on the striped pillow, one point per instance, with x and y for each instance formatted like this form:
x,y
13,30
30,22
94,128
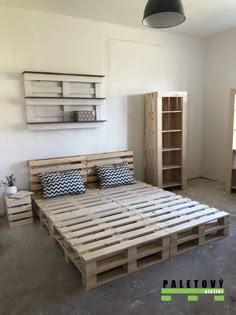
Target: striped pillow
x,y
61,183
114,175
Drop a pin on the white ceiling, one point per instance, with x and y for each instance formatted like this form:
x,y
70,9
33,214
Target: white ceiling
x,y
204,17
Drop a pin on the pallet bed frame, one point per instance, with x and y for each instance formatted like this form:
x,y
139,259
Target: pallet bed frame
x,y
113,232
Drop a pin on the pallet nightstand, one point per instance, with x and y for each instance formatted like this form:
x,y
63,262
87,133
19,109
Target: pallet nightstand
x,y
19,211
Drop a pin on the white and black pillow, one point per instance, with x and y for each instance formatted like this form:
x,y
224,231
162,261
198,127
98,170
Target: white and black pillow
x,y
61,183
114,175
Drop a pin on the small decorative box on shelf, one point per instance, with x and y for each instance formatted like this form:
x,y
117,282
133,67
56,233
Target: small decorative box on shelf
x,y
84,115
19,211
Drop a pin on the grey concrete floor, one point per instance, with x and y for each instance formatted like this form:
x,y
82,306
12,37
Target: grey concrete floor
x,y
34,278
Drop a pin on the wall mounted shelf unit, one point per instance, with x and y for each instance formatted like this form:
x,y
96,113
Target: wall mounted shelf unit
x,y
165,139
51,98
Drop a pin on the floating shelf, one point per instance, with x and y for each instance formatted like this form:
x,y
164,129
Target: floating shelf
x,y
64,98
51,98
66,125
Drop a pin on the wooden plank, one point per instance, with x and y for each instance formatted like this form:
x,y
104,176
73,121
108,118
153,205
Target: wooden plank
x,y
112,161
59,168
64,101
73,214
174,217
100,156
159,203
64,227
69,125
205,219
20,222
11,202
124,188
154,196
59,160
71,89
19,209
132,194
88,257
160,207
19,216
37,76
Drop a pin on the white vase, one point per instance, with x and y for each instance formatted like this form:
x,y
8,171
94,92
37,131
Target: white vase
x,y
11,190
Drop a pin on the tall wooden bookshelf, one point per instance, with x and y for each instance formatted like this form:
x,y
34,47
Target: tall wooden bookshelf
x,y
165,139
231,167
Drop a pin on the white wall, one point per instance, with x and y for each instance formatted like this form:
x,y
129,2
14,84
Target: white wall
x,y
135,61
220,78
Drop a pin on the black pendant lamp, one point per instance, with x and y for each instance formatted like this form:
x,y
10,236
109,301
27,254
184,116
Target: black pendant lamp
x,y
163,13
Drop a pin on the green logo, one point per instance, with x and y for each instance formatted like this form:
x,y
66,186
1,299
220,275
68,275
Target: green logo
x,y
192,293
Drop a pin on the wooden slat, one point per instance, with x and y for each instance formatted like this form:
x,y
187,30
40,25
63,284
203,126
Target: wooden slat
x,y
20,222
19,209
126,244
100,156
195,222
37,76
11,202
64,101
70,159
19,216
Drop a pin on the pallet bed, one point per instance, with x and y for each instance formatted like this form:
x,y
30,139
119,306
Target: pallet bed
x,y
113,232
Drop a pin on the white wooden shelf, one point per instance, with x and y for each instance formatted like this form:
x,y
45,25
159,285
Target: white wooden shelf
x,y
66,125
51,98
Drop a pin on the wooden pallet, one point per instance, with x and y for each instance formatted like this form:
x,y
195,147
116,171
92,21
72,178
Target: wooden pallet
x,y
110,233
188,222
65,204
103,239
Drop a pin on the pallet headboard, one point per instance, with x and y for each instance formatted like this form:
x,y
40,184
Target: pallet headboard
x,y
84,163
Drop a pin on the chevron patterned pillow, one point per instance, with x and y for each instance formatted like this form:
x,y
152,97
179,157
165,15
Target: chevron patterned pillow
x,y
61,183
114,175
